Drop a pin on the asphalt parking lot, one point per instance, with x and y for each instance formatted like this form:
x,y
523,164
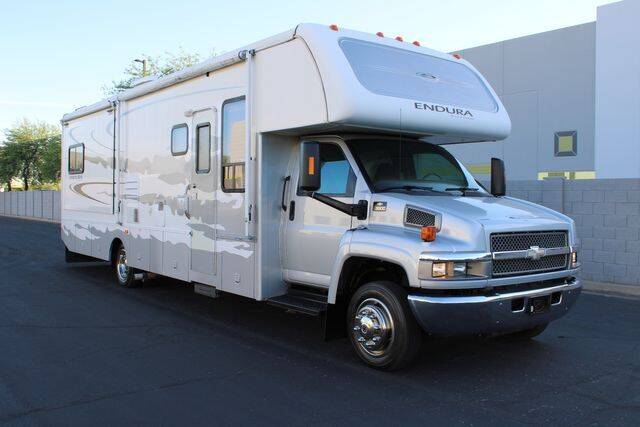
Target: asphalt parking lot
x,y
77,349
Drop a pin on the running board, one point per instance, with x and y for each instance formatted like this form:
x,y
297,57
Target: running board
x,y
301,301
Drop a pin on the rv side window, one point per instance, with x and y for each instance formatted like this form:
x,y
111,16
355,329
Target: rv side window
x,y
179,139
203,148
233,139
76,159
337,177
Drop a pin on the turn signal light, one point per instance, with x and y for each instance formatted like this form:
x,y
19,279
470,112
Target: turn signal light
x,y
428,233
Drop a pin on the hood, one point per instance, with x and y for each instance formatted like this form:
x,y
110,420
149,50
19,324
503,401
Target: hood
x,y
492,213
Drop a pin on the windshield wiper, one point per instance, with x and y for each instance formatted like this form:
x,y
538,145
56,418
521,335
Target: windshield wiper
x,y
406,188
463,190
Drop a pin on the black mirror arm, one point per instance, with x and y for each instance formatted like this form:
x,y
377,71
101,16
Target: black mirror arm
x,y
359,210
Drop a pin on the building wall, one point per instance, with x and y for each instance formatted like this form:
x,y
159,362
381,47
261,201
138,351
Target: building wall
x,y
547,84
617,148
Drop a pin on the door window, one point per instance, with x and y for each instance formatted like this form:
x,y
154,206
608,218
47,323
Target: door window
x,y
203,148
337,177
233,141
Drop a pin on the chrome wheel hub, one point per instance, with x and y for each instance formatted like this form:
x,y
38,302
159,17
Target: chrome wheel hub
x,y
121,266
373,327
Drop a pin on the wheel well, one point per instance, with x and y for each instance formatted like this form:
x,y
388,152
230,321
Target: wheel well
x,y
115,245
357,271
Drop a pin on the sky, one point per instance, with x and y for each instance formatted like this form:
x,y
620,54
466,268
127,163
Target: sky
x,y
57,55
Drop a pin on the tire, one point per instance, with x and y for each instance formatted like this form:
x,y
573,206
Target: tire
x,y
527,334
381,326
125,275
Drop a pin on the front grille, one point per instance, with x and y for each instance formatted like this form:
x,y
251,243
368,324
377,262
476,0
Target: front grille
x,y
504,242
419,218
528,266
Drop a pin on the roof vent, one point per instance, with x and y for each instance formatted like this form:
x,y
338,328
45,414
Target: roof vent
x,y
143,80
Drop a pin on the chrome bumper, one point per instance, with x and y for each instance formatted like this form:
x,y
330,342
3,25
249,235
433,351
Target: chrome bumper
x,y
490,314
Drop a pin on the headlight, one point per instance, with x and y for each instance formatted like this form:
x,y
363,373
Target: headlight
x,y
453,269
439,269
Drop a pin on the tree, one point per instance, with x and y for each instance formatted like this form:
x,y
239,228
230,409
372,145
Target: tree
x,y
156,66
9,166
28,152
48,170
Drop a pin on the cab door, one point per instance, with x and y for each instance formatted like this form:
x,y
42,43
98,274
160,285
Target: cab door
x,y
202,200
313,230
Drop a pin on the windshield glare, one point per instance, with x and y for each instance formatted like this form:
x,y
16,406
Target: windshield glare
x,y
405,164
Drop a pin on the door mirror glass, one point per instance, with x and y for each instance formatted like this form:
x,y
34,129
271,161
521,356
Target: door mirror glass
x,y
309,166
498,181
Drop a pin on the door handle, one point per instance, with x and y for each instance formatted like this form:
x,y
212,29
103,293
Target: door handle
x,y
284,190
292,210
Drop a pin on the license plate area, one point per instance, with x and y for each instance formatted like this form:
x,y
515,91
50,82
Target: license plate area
x,y
538,305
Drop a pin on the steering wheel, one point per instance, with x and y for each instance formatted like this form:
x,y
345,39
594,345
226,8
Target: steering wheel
x,y
431,174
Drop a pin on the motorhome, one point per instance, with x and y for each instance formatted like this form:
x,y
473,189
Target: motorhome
x,y
309,170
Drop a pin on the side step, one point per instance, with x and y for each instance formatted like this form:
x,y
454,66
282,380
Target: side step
x,y
302,301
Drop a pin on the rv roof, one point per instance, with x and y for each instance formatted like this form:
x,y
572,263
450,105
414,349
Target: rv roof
x,y
212,64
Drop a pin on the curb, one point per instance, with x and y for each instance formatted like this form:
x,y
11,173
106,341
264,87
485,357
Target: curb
x,y
612,289
31,218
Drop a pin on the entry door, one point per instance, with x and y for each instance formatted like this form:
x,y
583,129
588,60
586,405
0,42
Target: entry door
x,y
202,200
313,229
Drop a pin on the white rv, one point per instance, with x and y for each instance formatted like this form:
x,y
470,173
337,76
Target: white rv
x,y
307,170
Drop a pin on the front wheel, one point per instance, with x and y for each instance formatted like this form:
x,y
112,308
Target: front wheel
x,y
382,328
125,275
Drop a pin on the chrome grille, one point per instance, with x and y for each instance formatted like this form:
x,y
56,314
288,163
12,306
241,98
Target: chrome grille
x,y
419,218
505,242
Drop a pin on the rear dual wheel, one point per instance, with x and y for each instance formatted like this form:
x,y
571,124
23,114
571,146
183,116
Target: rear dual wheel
x,y
382,329
125,275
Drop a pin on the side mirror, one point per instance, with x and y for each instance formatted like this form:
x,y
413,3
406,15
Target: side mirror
x,y
498,181
309,166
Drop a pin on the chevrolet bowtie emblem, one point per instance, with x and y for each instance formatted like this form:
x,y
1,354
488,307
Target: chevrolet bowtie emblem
x,y
535,252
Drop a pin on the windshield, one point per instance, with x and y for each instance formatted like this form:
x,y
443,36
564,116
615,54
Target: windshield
x,y
409,165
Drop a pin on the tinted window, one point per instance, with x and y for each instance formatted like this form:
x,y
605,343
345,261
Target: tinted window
x,y
337,177
233,139
203,148
76,159
179,139
399,163
401,73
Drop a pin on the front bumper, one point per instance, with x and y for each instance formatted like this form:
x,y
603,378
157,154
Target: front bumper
x,y
497,313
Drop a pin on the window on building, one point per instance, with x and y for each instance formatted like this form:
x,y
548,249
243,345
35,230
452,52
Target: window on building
x,y
337,177
567,175
566,143
203,148
179,139
233,140
76,159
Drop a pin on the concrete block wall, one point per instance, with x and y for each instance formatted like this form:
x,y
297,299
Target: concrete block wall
x,y
41,204
607,216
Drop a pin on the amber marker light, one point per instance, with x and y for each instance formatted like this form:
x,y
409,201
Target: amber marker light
x,y
312,165
334,27
428,233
